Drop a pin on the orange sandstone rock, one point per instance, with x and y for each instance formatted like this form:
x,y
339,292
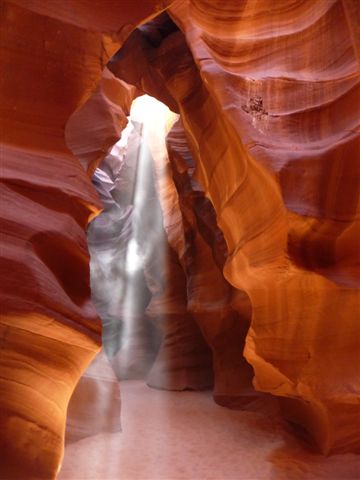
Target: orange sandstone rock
x,y
289,94
270,103
52,60
269,100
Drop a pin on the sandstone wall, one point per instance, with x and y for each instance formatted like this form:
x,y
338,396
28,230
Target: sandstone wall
x,y
52,56
269,100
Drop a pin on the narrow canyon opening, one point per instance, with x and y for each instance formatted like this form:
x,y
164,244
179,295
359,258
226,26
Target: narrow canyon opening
x,y
156,339
152,236
174,328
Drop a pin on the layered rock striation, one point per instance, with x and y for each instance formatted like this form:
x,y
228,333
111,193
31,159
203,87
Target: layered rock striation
x,y
269,101
52,59
265,253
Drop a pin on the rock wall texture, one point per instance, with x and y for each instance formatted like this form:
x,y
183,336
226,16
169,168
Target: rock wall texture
x,y
221,311
269,97
52,56
292,108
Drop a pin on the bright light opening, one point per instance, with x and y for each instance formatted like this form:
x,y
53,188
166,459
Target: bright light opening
x,y
134,259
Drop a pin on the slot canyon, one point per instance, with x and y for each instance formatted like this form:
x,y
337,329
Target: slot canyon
x,y
180,232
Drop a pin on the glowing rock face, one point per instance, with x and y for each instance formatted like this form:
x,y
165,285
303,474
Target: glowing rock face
x,y
269,106
284,219
49,328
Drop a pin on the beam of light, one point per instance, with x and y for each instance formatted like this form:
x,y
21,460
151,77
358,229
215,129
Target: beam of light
x,y
128,237
146,247
147,220
134,260
130,232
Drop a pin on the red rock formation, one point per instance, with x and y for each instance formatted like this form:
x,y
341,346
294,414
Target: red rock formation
x,y
52,59
269,103
293,114
269,99
94,128
222,312
303,121
195,283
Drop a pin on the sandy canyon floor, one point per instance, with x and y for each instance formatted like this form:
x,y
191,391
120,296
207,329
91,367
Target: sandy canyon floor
x,y
185,435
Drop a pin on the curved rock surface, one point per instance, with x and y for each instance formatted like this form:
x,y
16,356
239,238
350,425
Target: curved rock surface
x,y
222,312
269,100
52,60
289,94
